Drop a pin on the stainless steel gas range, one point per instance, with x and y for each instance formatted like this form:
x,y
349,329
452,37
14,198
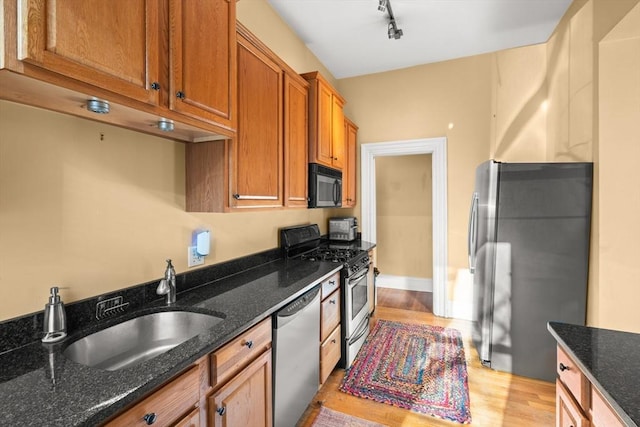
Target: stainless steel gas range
x,y
305,242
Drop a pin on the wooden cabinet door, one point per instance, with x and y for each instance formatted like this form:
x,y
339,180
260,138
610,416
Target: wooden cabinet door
x,y
202,59
349,171
109,44
568,413
257,152
295,143
246,399
324,154
330,353
337,134
329,314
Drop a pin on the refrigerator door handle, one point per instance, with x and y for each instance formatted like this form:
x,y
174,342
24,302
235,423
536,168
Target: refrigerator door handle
x,y
472,237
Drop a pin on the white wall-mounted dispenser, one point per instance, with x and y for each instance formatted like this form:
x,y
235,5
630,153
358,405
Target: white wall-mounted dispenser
x,y
203,242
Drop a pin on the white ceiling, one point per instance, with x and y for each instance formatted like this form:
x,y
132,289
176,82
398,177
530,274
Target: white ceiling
x,y
350,36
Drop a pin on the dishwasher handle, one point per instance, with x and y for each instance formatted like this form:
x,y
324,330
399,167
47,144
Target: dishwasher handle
x,y
296,307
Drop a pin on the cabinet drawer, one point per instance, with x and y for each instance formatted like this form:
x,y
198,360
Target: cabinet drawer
x,y
329,285
329,314
571,376
601,413
330,353
167,404
238,353
568,413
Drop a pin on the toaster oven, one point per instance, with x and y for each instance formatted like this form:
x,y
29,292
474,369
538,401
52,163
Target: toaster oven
x,y
343,229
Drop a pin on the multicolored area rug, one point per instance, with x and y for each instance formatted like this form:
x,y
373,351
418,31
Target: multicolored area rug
x,y
329,418
417,367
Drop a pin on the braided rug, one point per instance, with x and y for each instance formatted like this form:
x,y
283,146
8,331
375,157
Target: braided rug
x,y
412,366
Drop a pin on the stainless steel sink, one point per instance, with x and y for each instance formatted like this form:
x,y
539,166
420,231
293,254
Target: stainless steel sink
x,y
139,339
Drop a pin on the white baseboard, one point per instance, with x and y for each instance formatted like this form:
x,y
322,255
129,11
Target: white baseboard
x,y
404,283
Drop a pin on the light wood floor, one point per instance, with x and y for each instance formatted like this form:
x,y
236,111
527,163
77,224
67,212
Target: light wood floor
x,y
497,399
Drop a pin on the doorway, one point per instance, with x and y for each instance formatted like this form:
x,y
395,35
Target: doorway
x,y
437,148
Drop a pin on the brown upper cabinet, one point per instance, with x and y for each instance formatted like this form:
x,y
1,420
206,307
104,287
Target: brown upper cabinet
x,y
257,152
349,171
265,166
150,59
203,73
326,125
111,46
296,126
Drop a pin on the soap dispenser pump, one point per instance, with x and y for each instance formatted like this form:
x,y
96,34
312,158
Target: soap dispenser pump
x,y
55,319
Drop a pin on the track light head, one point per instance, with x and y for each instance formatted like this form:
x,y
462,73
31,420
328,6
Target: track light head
x,y
393,31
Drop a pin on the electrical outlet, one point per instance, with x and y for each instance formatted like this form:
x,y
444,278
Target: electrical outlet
x,y
193,257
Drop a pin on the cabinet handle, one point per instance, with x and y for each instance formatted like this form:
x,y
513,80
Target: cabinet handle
x,y
563,367
150,418
180,95
333,341
332,282
249,344
221,410
332,301
155,86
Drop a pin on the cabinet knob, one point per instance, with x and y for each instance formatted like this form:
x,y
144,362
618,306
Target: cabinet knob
x,y
333,341
180,95
150,418
249,344
236,196
332,301
563,367
221,410
155,86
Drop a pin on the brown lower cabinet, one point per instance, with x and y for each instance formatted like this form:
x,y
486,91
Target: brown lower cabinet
x,y
578,402
246,399
330,339
229,387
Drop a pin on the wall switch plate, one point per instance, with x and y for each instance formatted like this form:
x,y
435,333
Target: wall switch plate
x,y
193,258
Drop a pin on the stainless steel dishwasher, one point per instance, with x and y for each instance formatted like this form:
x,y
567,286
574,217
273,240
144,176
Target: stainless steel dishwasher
x,y
296,338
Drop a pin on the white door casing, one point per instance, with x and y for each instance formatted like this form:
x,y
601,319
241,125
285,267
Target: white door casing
x,y
437,147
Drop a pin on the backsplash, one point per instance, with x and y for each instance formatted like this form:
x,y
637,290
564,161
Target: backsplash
x,y
20,331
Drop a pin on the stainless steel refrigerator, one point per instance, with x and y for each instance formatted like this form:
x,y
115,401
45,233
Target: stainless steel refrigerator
x,y
529,229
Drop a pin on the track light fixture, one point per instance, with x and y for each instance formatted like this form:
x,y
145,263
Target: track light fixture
x,y
394,32
392,29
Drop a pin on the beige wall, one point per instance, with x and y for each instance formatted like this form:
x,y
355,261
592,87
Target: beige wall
x,y
519,92
421,102
404,218
95,216
618,290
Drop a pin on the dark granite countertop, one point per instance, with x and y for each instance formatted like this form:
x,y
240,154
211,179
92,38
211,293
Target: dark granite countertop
x,y
610,360
39,386
355,244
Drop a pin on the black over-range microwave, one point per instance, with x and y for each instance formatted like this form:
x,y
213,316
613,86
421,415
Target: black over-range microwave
x,y
325,187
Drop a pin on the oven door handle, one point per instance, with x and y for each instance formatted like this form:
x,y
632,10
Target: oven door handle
x,y
360,331
358,277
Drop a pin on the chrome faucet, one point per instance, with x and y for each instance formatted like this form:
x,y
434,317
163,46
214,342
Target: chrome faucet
x,y
167,286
